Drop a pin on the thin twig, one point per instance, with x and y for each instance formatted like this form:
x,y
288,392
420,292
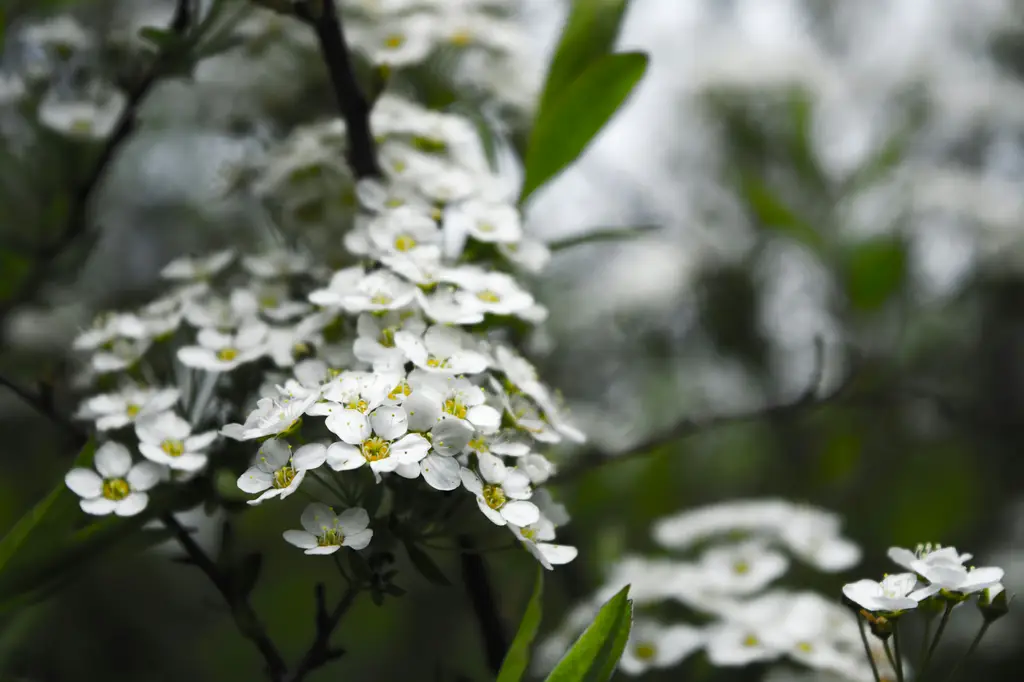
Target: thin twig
x,y
43,407
321,651
246,620
478,587
811,398
935,640
867,649
355,109
970,650
77,220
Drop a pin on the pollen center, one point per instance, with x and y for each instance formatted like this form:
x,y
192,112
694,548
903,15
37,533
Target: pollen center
x,y
404,242
485,227
227,354
401,389
488,296
394,41
454,407
751,641
494,496
357,404
116,489
132,410
741,568
387,337
284,476
375,449
381,299
645,651
461,38
332,537
81,125
174,448
805,647
434,361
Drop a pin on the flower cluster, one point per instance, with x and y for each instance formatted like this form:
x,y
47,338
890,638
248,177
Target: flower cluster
x,y
738,551
402,364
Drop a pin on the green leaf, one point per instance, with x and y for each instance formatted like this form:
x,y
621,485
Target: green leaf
x,y
564,129
610,234
159,38
597,651
590,32
15,267
775,215
875,270
518,657
425,564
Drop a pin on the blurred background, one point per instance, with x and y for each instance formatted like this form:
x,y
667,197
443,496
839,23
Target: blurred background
x,y
806,172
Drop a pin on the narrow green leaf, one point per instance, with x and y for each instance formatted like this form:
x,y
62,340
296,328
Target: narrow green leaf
x,y
774,214
597,651
425,564
590,32
610,234
518,657
562,132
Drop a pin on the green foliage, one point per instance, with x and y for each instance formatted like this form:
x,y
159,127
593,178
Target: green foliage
x,y
563,130
14,267
773,214
590,32
875,270
518,657
597,651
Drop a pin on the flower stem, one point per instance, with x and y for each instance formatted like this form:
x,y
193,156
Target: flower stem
x,y
926,637
970,650
898,664
867,649
935,641
478,587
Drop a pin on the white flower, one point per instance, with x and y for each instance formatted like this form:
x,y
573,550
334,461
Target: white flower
x,y
653,645
286,343
503,494
537,537
12,88
240,307
376,341
359,391
893,593
496,293
326,532
198,267
450,397
735,644
278,473
955,578
485,221
119,354
929,554
344,283
446,306
529,254
742,568
379,196
167,439
440,468
108,327
114,410
813,536
404,230
421,266
277,263
219,352
272,416
61,32
274,302
91,118
400,42
119,487
441,350
380,440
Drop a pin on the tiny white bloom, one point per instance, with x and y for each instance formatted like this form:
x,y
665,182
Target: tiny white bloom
x,y
326,532
442,350
529,254
344,283
447,306
404,230
485,221
376,341
359,391
537,537
91,118
378,291
167,439
503,494
400,42
219,352
893,593
454,397
742,568
114,410
277,263
955,578
272,416
653,645
119,487
277,472
380,440
198,267
496,293
440,468
119,354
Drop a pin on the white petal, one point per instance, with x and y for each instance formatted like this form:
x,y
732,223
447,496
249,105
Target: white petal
x,y
517,484
255,480
358,540
144,476
349,425
388,422
294,485
440,472
131,505
310,456
410,448
423,409
342,457
190,461
353,520
557,554
201,441
84,482
520,512
300,539
318,518
492,515
113,460
471,481
492,468
98,506
451,437
274,454
330,549
484,417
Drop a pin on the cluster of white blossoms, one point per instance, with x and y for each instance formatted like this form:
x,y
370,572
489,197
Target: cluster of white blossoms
x,y
402,364
736,553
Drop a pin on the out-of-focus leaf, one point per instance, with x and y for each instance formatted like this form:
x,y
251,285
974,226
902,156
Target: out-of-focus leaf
x,y
612,234
774,214
801,108
562,132
589,33
597,651
425,564
874,271
14,267
518,657
160,38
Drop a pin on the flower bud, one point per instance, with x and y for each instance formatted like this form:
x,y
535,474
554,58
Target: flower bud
x,y
993,603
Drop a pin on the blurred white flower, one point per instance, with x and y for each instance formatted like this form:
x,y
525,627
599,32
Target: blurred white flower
x,y
90,118
326,532
895,592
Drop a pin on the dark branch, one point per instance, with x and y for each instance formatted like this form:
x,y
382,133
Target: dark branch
x,y
246,620
324,18
320,651
45,407
478,587
811,398
77,220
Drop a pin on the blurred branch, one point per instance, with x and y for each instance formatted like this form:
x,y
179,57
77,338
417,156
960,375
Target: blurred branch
x,y
77,221
245,618
320,651
43,404
355,109
810,399
478,587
